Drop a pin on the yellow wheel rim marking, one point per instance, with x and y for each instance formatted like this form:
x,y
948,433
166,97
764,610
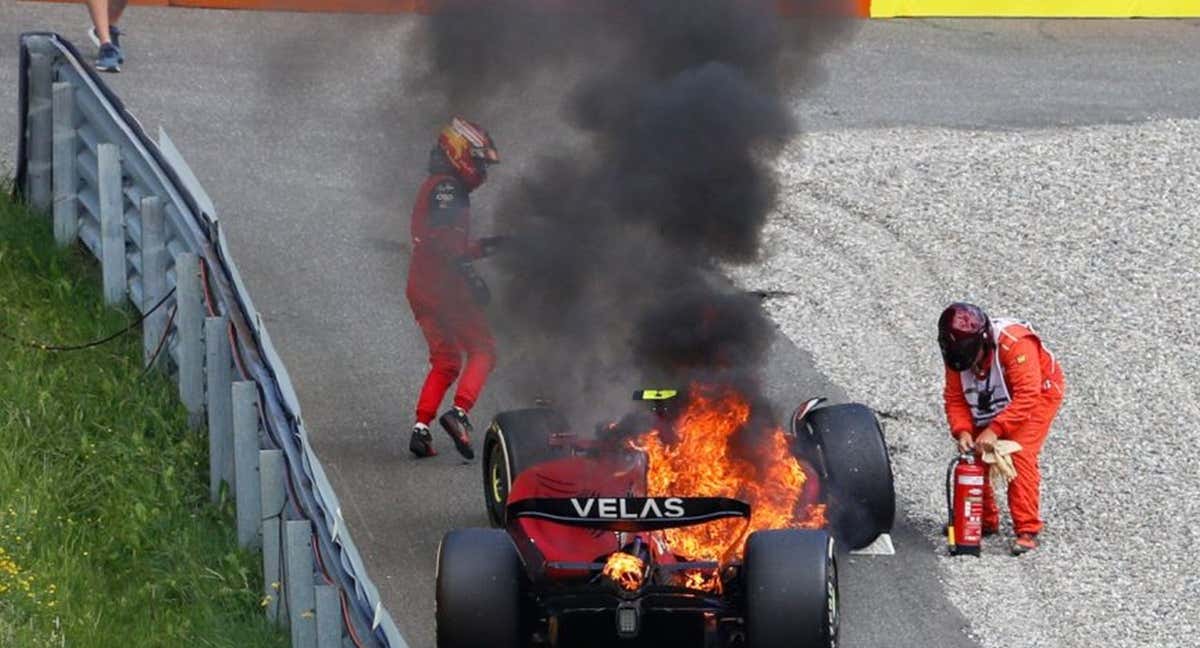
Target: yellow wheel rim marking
x,y
496,482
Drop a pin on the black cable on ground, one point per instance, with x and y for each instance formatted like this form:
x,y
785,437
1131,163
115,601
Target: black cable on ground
x,y
87,345
162,340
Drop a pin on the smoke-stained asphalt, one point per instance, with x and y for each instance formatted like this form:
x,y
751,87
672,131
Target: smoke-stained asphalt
x,y
311,134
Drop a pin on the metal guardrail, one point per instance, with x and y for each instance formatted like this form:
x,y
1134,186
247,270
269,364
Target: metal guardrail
x,y
136,206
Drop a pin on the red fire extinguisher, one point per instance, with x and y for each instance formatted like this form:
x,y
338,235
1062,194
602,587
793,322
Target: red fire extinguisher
x,y
964,504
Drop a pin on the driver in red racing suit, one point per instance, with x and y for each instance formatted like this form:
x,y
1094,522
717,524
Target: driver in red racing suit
x,y
446,295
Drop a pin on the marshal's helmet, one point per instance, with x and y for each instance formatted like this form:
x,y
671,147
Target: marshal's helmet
x,y
469,150
964,330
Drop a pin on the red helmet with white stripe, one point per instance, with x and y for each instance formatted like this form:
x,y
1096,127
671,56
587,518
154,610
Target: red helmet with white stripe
x,y
469,149
963,331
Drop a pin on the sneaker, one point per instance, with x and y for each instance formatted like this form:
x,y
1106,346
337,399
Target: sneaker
x,y
108,60
1024,543
421,442
459,428
114,36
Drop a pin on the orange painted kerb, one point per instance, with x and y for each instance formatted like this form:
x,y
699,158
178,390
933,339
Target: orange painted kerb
x,y
860,8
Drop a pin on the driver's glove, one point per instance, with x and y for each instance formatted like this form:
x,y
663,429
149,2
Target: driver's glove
x,y
479,288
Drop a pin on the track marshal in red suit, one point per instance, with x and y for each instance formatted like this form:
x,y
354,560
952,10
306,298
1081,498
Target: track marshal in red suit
x,y
1002,383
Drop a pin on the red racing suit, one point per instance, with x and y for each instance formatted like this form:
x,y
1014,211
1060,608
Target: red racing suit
x,y
454,325
1016,393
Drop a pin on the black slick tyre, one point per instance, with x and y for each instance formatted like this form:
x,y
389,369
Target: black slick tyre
x,y
478,590
791,592
857,470
515,441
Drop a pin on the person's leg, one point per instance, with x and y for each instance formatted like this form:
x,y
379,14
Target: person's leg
x,y
444,365
445,362
471,335
475,337
115,9
991,512
109,57
100,11
1024,492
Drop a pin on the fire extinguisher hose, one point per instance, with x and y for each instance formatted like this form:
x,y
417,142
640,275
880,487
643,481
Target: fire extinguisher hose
x,y
950,539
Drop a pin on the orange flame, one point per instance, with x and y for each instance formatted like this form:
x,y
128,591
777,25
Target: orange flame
x,y
702,462
815,519
626,570
702,580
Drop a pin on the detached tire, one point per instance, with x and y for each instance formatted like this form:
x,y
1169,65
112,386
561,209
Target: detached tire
x,y
858,472
515,441
791,592
478,590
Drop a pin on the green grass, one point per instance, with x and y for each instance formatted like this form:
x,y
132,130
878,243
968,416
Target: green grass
x,y
106,534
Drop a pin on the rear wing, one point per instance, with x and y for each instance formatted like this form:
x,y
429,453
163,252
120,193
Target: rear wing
x,y
630,514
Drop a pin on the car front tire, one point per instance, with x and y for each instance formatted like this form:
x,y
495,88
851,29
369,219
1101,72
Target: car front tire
x,y
860,490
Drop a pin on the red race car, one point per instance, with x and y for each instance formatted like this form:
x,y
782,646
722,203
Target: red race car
x,y
582,555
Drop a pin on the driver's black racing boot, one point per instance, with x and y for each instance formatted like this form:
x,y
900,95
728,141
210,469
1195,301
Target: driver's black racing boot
x,y
421,442
459,428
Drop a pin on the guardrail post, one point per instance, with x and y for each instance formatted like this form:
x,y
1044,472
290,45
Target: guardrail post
x,y
301,597
190,327
245,463
218,371
41,131
66,150
329,617
270,470
112,223
154,275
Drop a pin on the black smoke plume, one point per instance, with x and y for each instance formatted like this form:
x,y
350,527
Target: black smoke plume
x,y
613,276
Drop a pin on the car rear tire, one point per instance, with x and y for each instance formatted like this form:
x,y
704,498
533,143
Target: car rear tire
x,y
515,441
478,590
791,591
858,472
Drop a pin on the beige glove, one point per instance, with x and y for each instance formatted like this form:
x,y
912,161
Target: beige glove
x,y
1000,460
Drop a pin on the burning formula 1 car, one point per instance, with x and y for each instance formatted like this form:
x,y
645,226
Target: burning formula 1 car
x,y
672,526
